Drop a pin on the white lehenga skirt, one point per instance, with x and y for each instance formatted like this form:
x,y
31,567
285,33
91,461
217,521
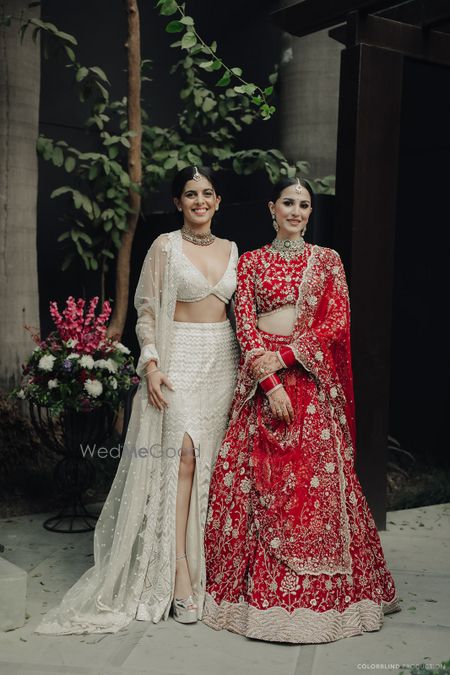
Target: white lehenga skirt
x,y
202,369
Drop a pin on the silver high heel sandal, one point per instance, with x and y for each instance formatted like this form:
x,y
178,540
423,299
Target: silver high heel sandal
x,y
184,610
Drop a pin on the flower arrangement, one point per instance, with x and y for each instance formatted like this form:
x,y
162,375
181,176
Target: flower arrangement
x,y
77,366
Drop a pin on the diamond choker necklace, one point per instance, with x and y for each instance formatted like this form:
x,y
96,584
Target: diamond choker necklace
x,y
200,239
288,248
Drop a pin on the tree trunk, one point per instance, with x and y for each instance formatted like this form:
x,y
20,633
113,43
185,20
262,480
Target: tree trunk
x,y
119,315
19,126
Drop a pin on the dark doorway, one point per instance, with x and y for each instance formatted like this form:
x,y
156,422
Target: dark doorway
x,y
420,357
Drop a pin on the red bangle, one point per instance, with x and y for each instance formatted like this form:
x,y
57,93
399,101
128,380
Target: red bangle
x,y
288,356
269,382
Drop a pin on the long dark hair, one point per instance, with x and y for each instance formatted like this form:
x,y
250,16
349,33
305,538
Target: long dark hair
x,y
284,183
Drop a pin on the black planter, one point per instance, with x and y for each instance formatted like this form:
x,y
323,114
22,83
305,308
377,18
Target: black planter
x,y
67,435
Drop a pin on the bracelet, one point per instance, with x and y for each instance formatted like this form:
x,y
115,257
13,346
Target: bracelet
x,y
269,382
149,372
287,356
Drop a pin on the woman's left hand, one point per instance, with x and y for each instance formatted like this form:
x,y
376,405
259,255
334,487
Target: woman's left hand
x,y
266,364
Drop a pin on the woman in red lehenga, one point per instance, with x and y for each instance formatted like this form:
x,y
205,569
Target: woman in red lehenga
x,y
292,551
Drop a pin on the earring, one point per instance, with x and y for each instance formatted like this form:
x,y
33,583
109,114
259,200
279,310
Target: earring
x,y
217,208
276,227
180,209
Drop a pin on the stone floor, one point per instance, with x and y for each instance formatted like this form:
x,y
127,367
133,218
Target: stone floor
x,y
416,544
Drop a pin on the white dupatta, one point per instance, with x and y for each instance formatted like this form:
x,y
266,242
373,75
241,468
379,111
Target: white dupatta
x,y
132,543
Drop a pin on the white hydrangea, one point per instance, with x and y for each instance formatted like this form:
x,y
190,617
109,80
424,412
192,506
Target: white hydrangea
x,y
47,362
93,387
86,361
52,384
107,364
74,355
121,348
21,393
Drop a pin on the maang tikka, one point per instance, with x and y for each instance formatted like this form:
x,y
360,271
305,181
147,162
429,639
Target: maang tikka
x,y
299,187
196,175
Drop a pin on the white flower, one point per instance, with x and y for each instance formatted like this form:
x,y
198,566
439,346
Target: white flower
x,y
311,409
342,419
21,393
318,356
52,384
228,478
311,300
245,486
314,481
106,364
47,362
333,392
113,382
325,435
71,343
74,355
87,361
306,583
329,467
275,543
224,450
121,348
93,387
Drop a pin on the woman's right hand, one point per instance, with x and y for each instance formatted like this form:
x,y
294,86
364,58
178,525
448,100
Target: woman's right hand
x,y
154,381
281,406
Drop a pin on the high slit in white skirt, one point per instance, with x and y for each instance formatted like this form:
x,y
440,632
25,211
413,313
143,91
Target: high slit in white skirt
x,y
202,369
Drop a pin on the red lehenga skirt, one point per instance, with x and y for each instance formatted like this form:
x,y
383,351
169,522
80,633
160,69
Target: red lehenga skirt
x,y
292,551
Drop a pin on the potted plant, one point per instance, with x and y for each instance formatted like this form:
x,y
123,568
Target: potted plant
x,y
74,382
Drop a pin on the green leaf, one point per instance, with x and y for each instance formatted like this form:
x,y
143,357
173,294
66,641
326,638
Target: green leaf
x,y
170,163
174,27
101,73
187,21
125,179
168,7
208,104
70,53
69,164
63,236
268,91
188,41
206,65
113,151
224,80
237,71
58,157
81,73
60,191
213,46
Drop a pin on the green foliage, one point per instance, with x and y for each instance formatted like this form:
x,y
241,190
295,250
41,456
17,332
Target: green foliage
x,y
195,46
211,117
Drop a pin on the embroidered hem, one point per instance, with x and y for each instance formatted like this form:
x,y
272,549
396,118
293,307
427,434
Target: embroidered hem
x,y
302,626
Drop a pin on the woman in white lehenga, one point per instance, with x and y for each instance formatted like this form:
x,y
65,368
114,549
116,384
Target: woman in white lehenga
x,y
148,542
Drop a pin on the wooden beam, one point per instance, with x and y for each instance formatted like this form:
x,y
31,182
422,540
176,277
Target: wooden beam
x,y
424,13
405,39
366,187
308,16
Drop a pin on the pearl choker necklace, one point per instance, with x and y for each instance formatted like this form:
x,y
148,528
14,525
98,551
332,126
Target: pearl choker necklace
x,y
288,248
200,239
